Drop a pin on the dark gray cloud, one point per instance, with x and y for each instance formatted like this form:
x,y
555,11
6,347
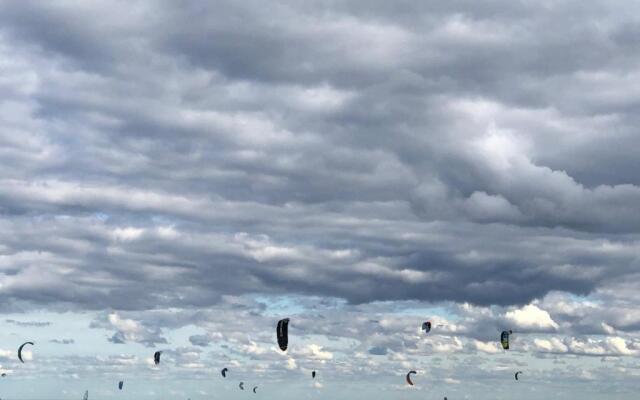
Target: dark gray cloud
x,y
378,351
173,155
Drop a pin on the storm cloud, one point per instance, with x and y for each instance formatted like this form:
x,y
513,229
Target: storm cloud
x,y
161,160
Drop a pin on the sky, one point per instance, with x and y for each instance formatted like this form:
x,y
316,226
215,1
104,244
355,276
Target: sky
x,y
177,176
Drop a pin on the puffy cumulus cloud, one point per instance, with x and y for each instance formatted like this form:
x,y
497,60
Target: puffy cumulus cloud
x,y
291,364
619,345
449,345
609,313
487,347
531,317
316,352
128,330
553,345
253,349
610,346
7,354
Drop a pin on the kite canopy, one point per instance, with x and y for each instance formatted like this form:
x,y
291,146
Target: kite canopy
x,y
282,332
120,384
517,374
313,374
504,339
426,326
254,389
224,372
20,350
409,381
156,357
241,385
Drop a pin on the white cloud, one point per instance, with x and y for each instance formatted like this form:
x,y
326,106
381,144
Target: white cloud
x,y
487,347
531,317
553,345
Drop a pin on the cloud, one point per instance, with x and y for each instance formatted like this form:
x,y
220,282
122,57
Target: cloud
x,y
205,340
62,341
554,345
37,324
416,198
487,347
186,175
531,317
128,330
6,354
378,351
611,346
316,352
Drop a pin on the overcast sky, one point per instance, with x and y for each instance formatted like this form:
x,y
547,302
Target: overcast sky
x,y
179,175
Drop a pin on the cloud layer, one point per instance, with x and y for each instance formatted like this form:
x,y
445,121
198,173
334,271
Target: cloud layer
x,y
167,165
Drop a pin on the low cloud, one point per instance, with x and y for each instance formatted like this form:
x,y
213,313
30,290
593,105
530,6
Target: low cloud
x,y
531,317
186,175
128,330
62,341
33,324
